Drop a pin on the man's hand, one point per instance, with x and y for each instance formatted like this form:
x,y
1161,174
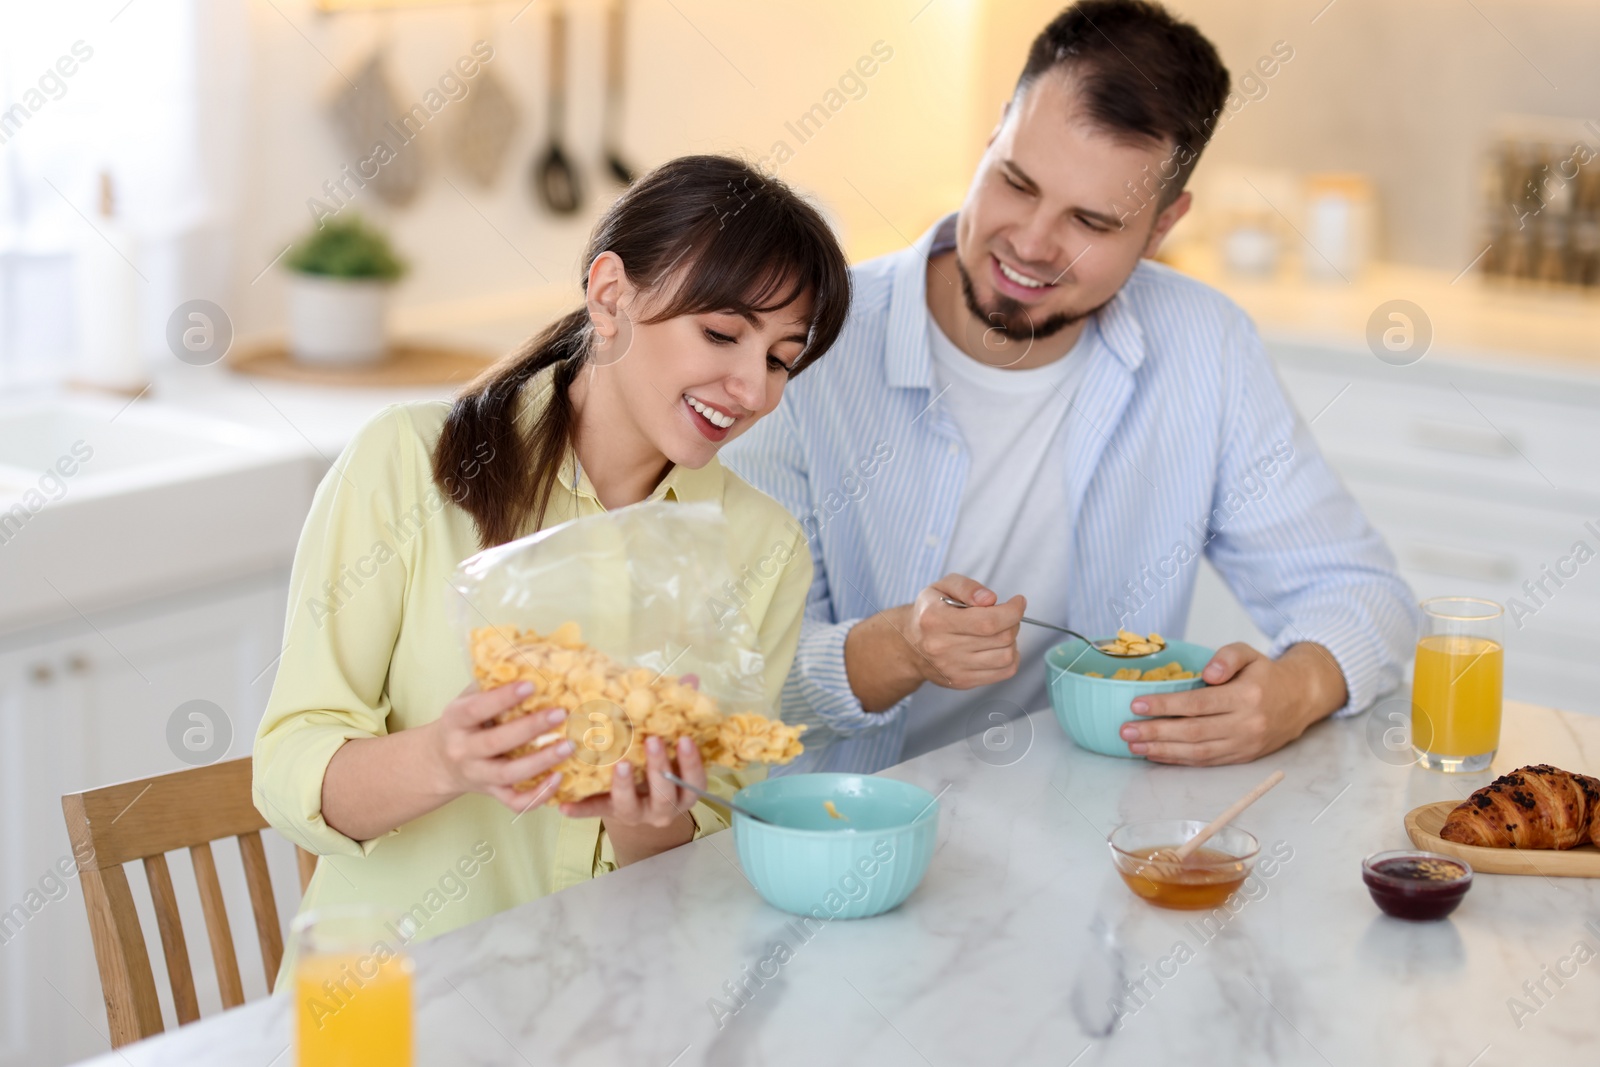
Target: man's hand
x,y
1251,706
892,653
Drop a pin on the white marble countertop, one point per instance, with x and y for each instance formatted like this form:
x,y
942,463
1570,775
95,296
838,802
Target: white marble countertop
x,y
1021,939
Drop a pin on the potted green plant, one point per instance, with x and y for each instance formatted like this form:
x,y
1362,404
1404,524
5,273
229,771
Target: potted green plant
x,y
340,277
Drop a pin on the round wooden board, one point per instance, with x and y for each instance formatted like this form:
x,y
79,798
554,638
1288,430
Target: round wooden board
x,y
408,363
1423,825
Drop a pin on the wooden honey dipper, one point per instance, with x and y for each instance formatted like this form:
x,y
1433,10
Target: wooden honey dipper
x,y
1163,860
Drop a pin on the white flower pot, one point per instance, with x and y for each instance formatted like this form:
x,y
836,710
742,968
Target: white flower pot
x,y
337,321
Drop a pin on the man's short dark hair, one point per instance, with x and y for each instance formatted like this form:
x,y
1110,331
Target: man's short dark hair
x,y
1139,73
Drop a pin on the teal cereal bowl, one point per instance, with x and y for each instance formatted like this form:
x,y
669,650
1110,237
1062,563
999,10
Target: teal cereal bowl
x,y
1092,710
813,864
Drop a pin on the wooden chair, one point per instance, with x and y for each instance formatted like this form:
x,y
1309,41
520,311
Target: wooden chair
x,y
144,820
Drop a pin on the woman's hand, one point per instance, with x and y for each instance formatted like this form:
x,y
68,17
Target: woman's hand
x,y
471,749
376,784
642,823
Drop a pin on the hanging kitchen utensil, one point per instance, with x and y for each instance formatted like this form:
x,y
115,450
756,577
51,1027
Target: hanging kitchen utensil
x,y
616,56
363,112
488,122
556,181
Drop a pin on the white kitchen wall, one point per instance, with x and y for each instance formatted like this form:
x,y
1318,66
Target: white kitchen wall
x,y
1406,91
704,76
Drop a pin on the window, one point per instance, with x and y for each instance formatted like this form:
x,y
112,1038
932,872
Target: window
x,y
128,90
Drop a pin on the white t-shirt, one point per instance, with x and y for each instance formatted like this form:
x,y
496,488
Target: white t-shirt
x,y
1011,531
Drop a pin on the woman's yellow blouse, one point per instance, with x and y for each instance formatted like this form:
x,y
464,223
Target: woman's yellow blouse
x,y
369,649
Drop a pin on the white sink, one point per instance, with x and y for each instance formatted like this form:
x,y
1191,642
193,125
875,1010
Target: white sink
x,y
103,503
33,440
109,442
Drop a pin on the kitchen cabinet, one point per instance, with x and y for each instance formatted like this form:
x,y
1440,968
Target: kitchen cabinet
x,y
86,704
21,772
1480,474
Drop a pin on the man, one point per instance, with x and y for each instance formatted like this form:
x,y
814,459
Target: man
x,y
1026,405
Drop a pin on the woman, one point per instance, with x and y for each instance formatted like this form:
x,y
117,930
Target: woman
x,y
707,287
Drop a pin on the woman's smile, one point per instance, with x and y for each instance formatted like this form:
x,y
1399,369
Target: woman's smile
x,y
711,420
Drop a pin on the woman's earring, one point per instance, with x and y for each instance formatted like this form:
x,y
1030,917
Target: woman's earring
x,y
609,350
601,353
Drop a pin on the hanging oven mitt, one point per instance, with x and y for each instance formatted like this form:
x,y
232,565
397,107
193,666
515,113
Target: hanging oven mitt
x,y
372,127
484,130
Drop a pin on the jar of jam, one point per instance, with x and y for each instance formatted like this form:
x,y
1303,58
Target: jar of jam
x,y
1416,885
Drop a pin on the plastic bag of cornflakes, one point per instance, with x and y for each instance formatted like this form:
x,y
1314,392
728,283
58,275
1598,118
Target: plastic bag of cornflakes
x,y
617,618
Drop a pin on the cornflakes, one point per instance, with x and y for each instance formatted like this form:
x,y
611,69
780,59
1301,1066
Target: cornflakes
x,y
1131,644
1168,672
611,709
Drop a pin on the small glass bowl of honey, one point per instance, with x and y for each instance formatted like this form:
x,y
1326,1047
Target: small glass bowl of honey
x,y
1204,880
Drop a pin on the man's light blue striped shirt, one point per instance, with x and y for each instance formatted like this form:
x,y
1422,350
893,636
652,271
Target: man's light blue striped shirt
x,y
1181,442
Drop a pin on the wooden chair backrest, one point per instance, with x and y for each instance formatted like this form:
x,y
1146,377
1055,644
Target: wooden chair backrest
x,y
144,820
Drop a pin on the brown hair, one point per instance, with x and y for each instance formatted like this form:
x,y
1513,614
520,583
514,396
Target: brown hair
x,y
725,236
1112,49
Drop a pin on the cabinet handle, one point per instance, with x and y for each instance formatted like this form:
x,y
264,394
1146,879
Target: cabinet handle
x,y
1462,563
78,663
1463,440
41,673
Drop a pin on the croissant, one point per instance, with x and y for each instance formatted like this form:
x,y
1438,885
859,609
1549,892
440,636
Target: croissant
x,y
1532,807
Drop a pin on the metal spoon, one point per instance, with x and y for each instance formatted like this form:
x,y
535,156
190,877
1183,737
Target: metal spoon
x,y
724,801
1071,633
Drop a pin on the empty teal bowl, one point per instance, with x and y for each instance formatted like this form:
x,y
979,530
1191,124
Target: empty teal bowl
x,y
813,864
1092,710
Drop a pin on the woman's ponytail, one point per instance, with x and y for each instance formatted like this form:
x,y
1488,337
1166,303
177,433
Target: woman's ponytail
x,y
484,462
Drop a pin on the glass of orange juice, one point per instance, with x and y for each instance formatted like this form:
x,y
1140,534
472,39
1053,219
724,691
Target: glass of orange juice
x,y
352,989
1455,696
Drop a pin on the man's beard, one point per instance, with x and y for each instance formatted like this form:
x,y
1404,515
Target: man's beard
x,y
1011,319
